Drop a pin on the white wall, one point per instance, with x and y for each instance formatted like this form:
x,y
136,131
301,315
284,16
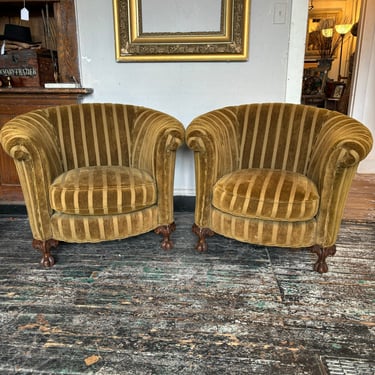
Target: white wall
x,y
362,106
296,51
185,90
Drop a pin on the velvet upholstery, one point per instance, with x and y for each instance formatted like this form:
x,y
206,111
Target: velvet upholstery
x,y
275,174
96,171
266,194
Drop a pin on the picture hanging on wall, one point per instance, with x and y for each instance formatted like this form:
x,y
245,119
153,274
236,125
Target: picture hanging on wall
x,y
338,91
179,30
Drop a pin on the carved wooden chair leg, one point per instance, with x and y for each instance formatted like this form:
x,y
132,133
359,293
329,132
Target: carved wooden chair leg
x,y
322,252
45,248
166,231
202,233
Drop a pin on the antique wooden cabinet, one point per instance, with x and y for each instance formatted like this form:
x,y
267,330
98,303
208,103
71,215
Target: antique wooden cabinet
x,y
53,23
20,100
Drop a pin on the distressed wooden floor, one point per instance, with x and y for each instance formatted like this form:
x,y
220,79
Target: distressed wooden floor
x,y
360,205
128,307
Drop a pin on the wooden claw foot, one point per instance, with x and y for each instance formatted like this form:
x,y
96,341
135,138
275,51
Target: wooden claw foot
x,y
45,248
202,233
322,252
166,231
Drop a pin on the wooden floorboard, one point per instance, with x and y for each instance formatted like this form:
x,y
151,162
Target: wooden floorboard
x,y
360,205
128,307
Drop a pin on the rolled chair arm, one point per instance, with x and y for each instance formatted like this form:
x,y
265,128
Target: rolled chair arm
x,y
31,137
214,140
154,132
213,137
156,138
342,143
31,141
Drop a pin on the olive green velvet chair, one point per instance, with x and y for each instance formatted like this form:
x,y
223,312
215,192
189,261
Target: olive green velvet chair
x,y
275,174
95,172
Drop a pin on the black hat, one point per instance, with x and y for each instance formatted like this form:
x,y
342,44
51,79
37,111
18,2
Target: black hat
x,y
17,33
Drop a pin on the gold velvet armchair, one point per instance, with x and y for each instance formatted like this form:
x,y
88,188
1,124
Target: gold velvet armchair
x,y
95,172
275,174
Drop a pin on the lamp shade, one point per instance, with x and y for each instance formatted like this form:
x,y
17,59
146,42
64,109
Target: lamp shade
x,y
327,32
343,28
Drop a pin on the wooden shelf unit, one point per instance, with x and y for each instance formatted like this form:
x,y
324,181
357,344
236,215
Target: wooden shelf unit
x,y
63,21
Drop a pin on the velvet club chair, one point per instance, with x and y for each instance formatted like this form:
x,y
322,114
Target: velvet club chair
x,y
95,172
275,174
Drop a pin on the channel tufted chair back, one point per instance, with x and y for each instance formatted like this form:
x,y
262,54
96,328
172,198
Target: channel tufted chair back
x,y
95,172
275,174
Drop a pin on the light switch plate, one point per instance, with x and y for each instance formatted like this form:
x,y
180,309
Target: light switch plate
x,y
279,13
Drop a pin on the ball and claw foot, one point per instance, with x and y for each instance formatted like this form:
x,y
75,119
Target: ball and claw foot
x,y
322,252
166,231
45,248
202,233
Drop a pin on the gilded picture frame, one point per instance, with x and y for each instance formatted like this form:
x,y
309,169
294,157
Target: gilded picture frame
x,y
135,41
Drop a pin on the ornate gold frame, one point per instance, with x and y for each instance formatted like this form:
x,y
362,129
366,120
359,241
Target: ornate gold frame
x,y
229,43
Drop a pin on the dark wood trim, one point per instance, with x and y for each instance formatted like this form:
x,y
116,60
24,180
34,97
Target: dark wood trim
x,y
40,91
67,45
29,1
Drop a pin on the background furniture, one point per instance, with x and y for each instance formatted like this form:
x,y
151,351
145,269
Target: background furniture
x,y
53,23
275,174
94,172
56,32
20,100
313,87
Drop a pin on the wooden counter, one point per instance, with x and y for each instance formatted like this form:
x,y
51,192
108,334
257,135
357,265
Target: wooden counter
x,y
18,100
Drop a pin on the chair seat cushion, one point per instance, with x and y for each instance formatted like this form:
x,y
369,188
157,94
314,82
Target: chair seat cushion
x,y
102,190
267,194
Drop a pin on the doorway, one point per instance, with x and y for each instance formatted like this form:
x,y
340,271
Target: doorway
x,y
330,51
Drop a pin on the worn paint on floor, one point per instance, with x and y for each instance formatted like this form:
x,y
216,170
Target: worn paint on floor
x,y
129,307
